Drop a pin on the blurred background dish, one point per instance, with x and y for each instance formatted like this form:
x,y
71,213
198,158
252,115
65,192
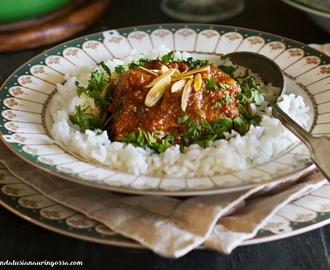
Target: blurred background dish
x,y
16,10
44,22
203,11
317,10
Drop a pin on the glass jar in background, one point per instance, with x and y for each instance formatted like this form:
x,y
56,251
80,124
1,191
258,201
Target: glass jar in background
x,y
203,11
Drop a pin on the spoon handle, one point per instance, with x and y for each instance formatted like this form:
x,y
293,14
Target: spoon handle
x,y
291,125
319,147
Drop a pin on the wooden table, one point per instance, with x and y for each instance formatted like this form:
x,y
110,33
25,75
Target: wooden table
x,y
22,240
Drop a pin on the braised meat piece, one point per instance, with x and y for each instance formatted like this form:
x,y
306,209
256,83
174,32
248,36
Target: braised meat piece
x,y
214,98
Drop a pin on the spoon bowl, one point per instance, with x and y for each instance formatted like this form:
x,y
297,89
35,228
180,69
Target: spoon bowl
x,y
267,69
270,72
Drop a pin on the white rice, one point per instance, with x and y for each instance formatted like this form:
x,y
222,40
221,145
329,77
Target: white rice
x,y
259,145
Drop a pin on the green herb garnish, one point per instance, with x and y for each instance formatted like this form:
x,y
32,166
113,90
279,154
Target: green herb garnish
x,y
197,63
96,89
146,139
250,91
168,58
134,65
217,105
204,132
229,70
211,84
227,100
86,120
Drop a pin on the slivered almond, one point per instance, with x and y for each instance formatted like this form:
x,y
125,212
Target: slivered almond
x,y
149,71
178,85
157,91
197,82
185,94
164,68
175,79
192,72
167,73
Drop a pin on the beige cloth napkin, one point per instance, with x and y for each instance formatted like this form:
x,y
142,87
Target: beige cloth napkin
x,y
171,227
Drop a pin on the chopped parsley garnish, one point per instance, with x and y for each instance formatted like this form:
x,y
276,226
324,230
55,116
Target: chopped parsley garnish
x,y
146,139
183,119
210,84
217,105
224,86
97,90
227,100
87,120
229,70
250,91
201,133
168,58
197,63
134,65
96,87
204,132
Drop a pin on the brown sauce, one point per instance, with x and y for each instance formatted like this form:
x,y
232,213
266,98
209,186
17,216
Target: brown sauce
x,y
129,112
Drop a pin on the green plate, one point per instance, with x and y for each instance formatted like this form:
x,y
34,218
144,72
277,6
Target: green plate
x,y
17,10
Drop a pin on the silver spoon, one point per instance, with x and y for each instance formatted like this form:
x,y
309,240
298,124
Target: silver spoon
x,y
269,71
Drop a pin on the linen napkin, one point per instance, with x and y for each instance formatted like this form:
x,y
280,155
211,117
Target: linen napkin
x,y
325,48
171,227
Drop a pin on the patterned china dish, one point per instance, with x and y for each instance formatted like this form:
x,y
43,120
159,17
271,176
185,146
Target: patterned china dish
x,y
305,214
317,10
25,119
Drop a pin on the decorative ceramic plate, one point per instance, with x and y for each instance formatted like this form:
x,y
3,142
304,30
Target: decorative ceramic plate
x,y
25,120
310,212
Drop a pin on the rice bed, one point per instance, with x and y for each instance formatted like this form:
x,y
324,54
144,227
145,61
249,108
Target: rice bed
x,y
260,144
